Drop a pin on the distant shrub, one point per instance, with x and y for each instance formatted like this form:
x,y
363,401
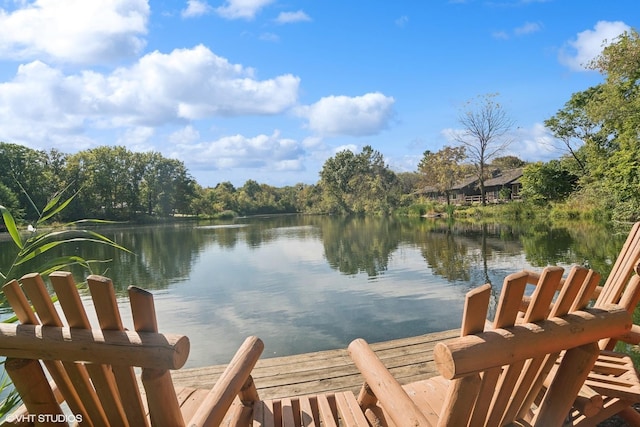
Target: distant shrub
x,y
226,215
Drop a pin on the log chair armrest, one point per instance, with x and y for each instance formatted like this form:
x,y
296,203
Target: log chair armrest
x,y
387,390
215,406
632,336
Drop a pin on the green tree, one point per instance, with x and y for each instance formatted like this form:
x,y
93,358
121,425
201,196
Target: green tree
x,y
358,183
547,182
578,133
485,134
617,103
24,172
508,162
409,181
164,185
119,184
616,107
225,197
9,200
107,176
336,180
203,201
442,170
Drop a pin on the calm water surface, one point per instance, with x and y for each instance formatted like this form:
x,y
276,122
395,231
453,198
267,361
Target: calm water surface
x,y
307,283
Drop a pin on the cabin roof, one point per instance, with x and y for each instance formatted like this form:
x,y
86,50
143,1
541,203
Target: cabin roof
x,y
504,178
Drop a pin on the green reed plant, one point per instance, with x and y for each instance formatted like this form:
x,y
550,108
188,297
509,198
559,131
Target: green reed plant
x,y
32,254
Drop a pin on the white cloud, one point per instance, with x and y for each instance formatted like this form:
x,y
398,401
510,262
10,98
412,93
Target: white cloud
x,y
242,9
530,144
55,113
402,21
588,44
196,8
453,135
355,116
74,31
137,138
527,28
347,147
534,144
184,85
186,135
238,151
269,37
523,30
291,17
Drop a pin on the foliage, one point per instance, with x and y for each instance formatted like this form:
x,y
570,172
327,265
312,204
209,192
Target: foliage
x,y
32,252
508,211
420,208
617,104
546,182
441,171
507,162
575,129
25,171
9,199
608,118
252,199
120,184
358,183
409,181
485,133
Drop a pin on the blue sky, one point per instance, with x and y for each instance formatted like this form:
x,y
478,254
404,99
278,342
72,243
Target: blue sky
x,y
269,89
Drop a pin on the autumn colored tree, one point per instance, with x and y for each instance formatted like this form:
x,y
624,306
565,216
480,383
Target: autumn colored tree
x,y
442,170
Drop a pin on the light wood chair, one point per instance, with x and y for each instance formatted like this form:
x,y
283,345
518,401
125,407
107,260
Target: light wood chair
x,y
91,368
619,288
613,386
326,410
495,376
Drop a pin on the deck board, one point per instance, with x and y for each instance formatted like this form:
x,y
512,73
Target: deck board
x,y
408,359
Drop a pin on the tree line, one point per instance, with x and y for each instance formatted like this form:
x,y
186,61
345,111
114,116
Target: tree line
x,y
118,184
599,169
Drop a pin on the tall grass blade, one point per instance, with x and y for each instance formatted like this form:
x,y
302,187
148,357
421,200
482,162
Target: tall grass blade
x,y
10,223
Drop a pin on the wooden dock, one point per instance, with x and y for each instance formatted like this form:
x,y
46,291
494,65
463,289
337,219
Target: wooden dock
x,y
408,359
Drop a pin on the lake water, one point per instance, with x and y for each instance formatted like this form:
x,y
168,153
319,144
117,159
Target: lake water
x,y
307,283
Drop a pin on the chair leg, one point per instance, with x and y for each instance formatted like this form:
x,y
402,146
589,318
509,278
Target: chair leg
x,y
631,416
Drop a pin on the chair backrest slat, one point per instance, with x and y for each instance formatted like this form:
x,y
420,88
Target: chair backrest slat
x,y
538,369
507,389
510,297
99,394
91,369
569,292
475,310
586,292
106,306
543,295
463,392
622,268
161,394
31,383
72,379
